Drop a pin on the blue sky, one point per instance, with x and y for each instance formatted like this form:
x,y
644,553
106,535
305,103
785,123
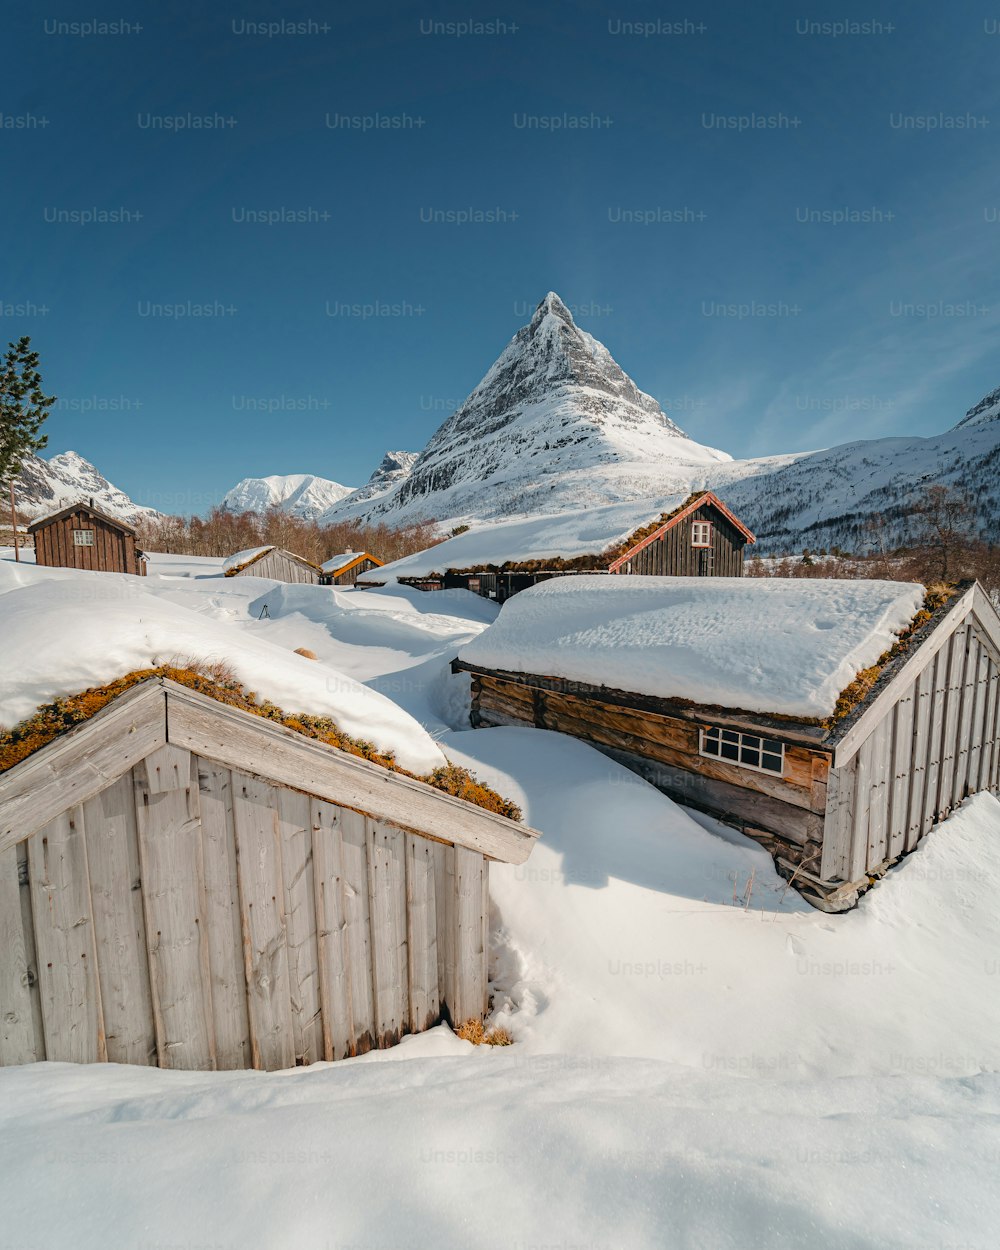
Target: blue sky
x,y
709,258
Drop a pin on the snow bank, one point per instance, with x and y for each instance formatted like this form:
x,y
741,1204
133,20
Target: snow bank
x,y
239,558
563,535
64,631
785,645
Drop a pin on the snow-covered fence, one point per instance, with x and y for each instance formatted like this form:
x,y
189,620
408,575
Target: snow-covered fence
x,y
185,884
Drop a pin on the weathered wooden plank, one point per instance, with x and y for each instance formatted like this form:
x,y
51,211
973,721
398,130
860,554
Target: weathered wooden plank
x,y
980,676
966,707
64,938
331,926
80,763
262,908
470,978
954,676
992,702
387,903
119,925
248,742
222,915
932,769
18,1041
880,784
173,893
447,928
860,809
421,913
30,949
902,774
295,831
357,933
922,698
836,856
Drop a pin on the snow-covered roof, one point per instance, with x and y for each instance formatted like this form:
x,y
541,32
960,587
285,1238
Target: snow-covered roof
x,y
782,645
63,634
561,535
341,561
240,559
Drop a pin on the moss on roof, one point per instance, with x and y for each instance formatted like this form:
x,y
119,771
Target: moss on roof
x,y
217,682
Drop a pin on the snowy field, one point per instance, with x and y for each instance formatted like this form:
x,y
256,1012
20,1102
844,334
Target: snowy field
x,y
697,1063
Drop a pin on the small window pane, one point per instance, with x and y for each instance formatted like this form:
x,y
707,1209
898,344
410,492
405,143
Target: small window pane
x,y
750,755
730,735
771,762
83,538
730,751
771,745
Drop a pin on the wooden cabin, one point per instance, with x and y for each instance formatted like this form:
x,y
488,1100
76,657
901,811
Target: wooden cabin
x,y
188,885
83,537
836,800
274,563
695,536
345,569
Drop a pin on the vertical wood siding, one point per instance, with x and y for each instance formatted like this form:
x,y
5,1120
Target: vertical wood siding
x,y
198,917
672,555
935,745
114,550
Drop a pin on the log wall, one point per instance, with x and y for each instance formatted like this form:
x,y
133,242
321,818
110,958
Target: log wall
x,y
785,813
194,916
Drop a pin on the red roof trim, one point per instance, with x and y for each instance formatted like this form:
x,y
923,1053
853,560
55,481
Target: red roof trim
x,y
707,498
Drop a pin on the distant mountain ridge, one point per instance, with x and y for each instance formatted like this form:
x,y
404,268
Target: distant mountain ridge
x,y
302,495
45,486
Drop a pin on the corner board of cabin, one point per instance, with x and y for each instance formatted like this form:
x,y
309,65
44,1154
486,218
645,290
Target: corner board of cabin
x,y
185,885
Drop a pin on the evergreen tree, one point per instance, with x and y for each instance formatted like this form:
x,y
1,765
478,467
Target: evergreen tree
x,y
23,408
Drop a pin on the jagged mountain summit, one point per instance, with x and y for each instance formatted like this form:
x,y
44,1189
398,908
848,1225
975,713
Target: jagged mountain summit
x,y
393,468
45,486
300,494
986,411
554,423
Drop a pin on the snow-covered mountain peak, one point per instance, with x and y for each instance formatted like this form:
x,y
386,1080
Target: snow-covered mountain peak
x,y
299,494
554,416
45,486
983,413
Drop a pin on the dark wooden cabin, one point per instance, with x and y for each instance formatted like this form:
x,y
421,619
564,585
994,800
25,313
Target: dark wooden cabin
x,y
83,537
346,568
836,802
701,537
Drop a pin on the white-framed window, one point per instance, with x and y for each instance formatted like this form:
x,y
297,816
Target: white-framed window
x,y
83,538
766,755
701,533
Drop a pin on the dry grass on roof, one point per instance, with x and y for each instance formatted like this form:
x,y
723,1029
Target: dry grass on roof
x,y
937,596
218,682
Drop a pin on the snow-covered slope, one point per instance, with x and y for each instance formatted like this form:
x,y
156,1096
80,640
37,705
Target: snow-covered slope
x,y
555,423
864,493
299,494
45,486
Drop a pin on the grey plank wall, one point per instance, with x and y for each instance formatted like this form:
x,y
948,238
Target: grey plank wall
x,y
198,917
936,744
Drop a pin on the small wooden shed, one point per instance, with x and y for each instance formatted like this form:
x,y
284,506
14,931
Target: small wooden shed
x,y
835,801
81,536
183,883
274,563
345,569
702,538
